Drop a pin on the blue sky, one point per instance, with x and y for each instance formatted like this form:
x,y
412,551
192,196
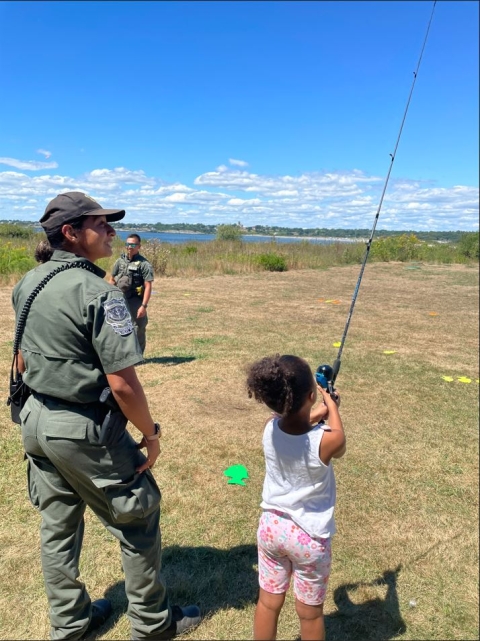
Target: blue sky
x,y
275,113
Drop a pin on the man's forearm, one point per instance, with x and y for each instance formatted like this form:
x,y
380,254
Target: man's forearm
x,y
147,293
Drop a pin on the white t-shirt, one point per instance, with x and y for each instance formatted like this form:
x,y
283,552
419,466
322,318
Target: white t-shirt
x,y
296,480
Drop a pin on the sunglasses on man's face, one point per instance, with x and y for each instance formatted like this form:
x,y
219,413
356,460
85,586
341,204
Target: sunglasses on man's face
x,y
131,245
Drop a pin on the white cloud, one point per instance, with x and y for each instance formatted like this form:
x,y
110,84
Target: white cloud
x,y
31,165
242,201
347,199
238,163
45,153
176,198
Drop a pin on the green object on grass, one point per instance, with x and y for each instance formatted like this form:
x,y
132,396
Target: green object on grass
x,y
237,474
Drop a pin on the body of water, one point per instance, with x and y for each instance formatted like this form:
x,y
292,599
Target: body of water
x,y
180,237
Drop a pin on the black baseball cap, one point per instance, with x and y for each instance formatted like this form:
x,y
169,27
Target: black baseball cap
x,y
70,206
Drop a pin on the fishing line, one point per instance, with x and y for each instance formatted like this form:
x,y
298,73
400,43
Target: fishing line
x,y
325,374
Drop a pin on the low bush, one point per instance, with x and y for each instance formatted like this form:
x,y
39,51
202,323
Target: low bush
x,y
156,255
229,232
468,245
402,248
15,260
272,262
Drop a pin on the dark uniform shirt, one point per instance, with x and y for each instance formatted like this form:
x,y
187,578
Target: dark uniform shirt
x,y
78,330
131,275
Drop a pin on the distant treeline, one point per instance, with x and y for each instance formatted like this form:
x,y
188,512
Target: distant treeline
x,y
266,230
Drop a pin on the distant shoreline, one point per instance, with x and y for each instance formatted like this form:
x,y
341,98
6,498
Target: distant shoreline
x,y
352,235
272,236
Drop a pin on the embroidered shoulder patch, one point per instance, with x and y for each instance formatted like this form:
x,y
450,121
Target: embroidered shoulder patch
x,y
118,316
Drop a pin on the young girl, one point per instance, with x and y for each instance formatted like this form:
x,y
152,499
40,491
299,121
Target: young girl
x,y
297,525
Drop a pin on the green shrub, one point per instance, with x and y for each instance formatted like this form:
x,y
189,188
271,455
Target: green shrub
x,y
190,249
403,248
11,230
468,245
229,232
15,260
156,255
272,262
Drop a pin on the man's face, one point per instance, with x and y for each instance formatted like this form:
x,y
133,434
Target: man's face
x,y
132,247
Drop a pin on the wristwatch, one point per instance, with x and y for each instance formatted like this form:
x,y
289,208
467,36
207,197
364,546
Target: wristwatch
x,y
156,435
143,305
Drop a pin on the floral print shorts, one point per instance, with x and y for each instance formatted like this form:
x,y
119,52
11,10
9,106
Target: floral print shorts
x,y
285,549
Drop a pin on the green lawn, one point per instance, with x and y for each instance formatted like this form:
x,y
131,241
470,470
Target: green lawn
x,y
406,552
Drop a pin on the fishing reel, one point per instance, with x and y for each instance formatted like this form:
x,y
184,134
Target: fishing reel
x,y
325,377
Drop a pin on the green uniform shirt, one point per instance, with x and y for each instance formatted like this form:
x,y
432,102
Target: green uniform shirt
x,y
78,330
130,275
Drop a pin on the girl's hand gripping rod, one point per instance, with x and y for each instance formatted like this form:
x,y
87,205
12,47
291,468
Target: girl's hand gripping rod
x,y
326,375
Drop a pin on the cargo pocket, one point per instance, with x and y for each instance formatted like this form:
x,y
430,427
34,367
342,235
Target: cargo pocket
x,y
68,426
32,488
137,498
24,413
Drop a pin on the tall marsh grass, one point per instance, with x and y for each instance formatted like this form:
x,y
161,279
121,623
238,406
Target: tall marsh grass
x,y
239,257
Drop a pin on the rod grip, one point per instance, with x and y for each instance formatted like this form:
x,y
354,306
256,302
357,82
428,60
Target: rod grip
x,y
336,369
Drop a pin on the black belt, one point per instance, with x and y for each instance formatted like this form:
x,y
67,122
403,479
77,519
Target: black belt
x,y
62,401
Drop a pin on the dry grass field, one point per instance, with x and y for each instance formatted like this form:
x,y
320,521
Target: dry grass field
x,y
406,552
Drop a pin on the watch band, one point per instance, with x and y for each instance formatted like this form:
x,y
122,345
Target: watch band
x,y
156,435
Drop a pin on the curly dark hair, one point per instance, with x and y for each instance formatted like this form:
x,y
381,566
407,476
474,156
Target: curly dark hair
x,y
281,382
43,251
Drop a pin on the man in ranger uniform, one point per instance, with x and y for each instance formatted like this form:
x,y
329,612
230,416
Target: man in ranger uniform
x,y
133,275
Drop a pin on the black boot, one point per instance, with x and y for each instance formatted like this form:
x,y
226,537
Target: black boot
x,y
183,619
101,610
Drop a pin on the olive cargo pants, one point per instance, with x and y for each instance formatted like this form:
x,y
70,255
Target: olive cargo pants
x,y
67,470
134,303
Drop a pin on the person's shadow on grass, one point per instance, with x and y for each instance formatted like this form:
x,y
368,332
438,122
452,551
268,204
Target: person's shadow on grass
x,y
211,578
168,360
376,620
216,579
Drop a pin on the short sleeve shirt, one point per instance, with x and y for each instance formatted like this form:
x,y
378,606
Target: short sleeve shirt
x,y
78,330
123,264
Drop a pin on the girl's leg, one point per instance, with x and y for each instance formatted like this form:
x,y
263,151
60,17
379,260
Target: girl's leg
x,y
266,616
312,625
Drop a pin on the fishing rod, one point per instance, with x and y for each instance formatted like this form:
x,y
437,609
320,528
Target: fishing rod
x,y
326,374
